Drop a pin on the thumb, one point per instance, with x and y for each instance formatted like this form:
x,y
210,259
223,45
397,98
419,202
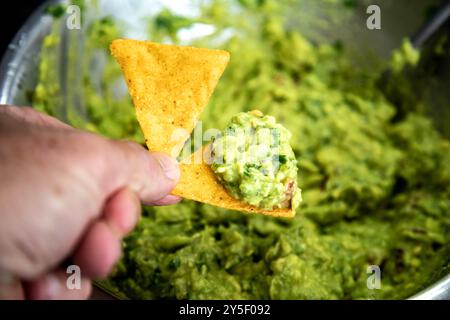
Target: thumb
x,y
150,175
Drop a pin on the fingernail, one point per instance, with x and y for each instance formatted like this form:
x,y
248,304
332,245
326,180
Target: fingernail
x,y
168,165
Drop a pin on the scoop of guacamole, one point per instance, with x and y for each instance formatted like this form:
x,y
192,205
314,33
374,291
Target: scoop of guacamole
x,y
255,162
376,187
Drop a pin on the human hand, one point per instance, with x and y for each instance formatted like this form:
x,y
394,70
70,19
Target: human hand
x,y
66,193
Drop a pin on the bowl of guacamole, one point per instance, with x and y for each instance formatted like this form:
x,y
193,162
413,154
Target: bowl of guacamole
x,y
373,167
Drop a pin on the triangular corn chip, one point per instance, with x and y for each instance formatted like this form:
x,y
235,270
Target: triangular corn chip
x,y
170,86
198,182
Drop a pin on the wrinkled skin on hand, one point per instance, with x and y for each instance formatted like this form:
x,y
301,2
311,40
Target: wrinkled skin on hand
x,y
68,195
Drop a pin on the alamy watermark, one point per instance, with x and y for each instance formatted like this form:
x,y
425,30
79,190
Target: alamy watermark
x,y
373,21
73,18
73,281
374,280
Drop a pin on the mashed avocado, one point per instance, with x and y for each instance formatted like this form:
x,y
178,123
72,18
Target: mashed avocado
x,y
376,188
254,161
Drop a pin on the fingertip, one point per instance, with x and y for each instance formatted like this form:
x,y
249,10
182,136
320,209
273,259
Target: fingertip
x,y
163,176
99,250
122,211
165,201
168,165
59,285
151,175
11,289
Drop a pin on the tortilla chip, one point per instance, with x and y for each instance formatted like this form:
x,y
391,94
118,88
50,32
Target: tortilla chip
x,y
170,86
198,182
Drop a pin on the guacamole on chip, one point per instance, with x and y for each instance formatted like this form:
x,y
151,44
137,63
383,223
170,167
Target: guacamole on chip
x,y
255,163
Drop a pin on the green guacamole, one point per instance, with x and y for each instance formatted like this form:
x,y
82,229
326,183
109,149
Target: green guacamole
x,y
376,186
255,162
